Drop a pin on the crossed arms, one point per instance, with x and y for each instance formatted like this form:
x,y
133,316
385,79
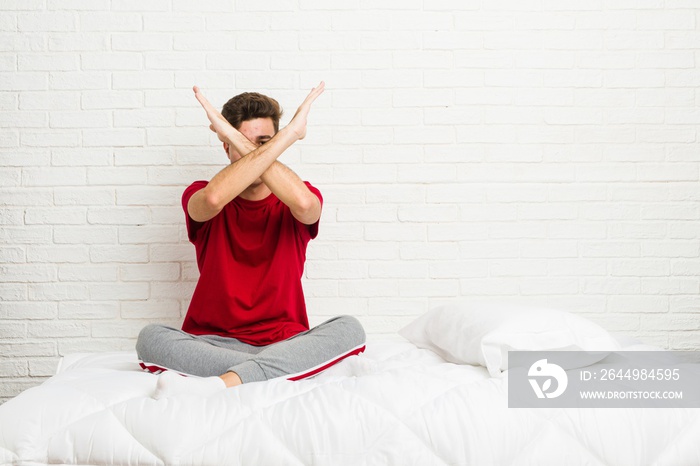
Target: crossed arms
x,y
259,162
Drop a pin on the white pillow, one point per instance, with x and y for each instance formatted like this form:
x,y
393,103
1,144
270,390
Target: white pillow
x,y
483,334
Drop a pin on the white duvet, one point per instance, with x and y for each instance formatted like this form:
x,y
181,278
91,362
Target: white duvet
x,y
393,405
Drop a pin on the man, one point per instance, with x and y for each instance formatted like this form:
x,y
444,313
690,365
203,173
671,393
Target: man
x,y
250,226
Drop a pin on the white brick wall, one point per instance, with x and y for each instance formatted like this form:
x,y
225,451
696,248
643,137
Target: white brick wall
x,y
544,151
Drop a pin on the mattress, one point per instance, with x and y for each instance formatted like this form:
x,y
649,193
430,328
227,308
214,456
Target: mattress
x,y
395,404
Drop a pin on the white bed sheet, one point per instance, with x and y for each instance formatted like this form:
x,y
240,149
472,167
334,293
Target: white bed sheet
x,y
393,405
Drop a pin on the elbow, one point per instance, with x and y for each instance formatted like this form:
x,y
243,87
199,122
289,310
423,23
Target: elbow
x,y
308,210
212,200
203,205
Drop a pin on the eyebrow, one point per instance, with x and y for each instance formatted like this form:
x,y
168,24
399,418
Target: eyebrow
x,y
264,138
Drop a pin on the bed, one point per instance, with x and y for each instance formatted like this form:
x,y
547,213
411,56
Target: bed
x,y
414,400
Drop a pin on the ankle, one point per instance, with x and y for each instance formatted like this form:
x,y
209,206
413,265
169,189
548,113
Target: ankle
x,y
231,379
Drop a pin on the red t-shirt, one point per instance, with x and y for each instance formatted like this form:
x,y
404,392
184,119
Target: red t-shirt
x,y
251,258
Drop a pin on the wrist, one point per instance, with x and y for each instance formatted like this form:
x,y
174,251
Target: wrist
x,y
234,137
288,134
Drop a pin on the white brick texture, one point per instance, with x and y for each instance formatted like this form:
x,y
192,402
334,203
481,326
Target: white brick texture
x,y
541,152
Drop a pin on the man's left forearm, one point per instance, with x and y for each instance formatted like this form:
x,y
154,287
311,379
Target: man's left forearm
x,y
291,190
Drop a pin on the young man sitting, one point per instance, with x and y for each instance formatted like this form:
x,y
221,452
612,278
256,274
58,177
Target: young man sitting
x,y
250,226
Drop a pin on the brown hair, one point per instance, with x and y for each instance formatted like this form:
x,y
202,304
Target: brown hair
x,y
249,106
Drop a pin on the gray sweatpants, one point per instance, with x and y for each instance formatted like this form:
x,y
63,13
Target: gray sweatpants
x,y
210,355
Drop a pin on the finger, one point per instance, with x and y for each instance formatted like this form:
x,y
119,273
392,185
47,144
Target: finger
x,y
318,90
199,95
315,92
204,102
212,113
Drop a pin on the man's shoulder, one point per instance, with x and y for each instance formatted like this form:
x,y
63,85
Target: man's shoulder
x,y
199,184
314,190
193,188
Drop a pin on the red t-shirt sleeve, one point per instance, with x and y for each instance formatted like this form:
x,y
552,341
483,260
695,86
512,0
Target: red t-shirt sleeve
x,y
192,225
313,228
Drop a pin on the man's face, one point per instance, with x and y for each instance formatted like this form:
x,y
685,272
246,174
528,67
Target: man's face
x,y
258,131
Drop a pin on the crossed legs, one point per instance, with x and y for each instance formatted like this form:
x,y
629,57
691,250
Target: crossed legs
x,y
233,362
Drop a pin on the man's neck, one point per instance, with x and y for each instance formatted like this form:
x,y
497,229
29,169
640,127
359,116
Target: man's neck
x,y
256,192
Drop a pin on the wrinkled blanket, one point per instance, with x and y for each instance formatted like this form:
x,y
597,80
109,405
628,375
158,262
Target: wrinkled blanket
x,y
393,405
